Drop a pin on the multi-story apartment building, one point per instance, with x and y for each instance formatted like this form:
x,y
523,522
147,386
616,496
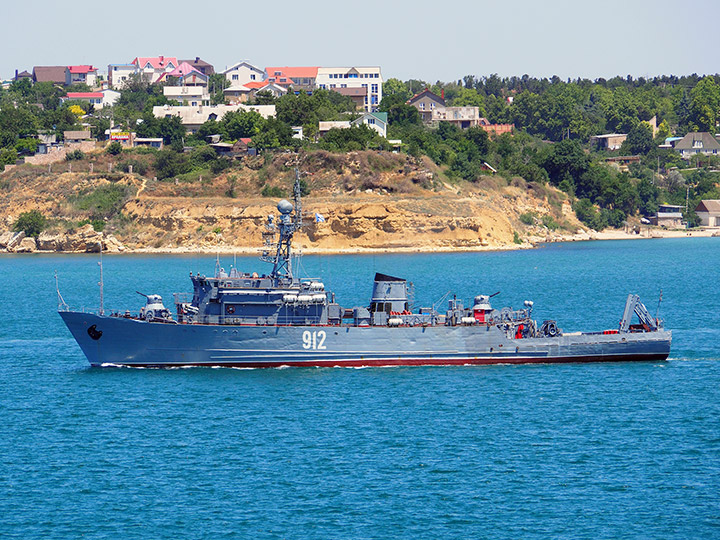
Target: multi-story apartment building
x,y
368,79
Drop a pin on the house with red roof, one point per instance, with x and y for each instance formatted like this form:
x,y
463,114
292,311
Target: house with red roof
x,y
103,98
83,74
152,67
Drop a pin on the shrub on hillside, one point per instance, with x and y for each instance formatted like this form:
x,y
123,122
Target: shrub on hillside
x,y
169,163
32,222
75,155
114,148
105,201
138,167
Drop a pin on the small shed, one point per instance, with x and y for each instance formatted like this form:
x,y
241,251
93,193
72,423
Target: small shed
x,y
149,142
76,136
668,215
709,212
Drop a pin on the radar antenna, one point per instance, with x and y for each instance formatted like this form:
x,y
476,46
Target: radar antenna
x,y
279,235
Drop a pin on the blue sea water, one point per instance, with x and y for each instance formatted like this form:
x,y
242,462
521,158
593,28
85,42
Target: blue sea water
x,y
628,450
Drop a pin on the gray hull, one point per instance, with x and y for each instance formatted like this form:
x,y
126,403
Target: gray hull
x,y
130,342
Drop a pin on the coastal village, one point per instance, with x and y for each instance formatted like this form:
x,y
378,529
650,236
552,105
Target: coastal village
x,y
181,166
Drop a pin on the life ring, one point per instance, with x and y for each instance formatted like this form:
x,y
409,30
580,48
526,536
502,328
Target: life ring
x,y
230,309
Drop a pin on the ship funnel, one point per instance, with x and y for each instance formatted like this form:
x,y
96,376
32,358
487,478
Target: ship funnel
x,y
389,294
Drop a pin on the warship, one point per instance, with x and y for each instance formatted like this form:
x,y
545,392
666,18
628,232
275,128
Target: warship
x,y
251,320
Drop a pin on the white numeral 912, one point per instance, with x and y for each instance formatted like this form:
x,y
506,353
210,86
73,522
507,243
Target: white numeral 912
x,y
314,340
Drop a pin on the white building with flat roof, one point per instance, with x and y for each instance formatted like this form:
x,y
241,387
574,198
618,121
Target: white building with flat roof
x,y
188,95
369,78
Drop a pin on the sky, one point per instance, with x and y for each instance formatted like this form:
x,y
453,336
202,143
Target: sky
x,y
431,41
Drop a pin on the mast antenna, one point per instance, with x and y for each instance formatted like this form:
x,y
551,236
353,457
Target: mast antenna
x,y
290,220
62,306
101,283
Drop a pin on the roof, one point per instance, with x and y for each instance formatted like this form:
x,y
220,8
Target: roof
x,y
351,92
76,134
426,93
609,135
184,69
84,95
333,124
704,139
197,62
50,74
255,84
710,205
157,62
382,116
293,72
23,74
82,69
243,63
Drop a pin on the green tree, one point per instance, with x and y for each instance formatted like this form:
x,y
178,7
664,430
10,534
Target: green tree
x,y
217,82
238,124
639,140
169,163
704,105
265,97
32,222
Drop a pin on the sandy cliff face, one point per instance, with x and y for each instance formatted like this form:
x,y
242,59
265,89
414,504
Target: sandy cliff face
x,y
403,207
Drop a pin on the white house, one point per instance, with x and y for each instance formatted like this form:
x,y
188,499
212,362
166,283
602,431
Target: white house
x,y
375,120
709,212
242,73
370,78
104,98
118,74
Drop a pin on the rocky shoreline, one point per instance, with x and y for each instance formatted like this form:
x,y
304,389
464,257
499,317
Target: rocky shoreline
x,y
83,240
87,240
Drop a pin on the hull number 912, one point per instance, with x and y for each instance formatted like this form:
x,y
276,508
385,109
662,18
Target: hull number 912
x,y
314,340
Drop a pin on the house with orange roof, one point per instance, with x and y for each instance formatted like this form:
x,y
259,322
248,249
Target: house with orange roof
x,y
151,68
241,94
299,78
83,74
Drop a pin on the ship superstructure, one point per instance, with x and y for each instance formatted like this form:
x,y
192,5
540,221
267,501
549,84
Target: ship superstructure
x,y
266,320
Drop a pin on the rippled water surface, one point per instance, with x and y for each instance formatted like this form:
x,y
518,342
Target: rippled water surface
x,y
548,451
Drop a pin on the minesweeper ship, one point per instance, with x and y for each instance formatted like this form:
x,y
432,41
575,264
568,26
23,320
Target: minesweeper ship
x,y
239,319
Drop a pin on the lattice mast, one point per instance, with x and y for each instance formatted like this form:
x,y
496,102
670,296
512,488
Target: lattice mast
x,y
279,236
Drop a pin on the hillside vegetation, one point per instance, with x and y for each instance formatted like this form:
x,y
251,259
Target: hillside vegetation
x,y
370,200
